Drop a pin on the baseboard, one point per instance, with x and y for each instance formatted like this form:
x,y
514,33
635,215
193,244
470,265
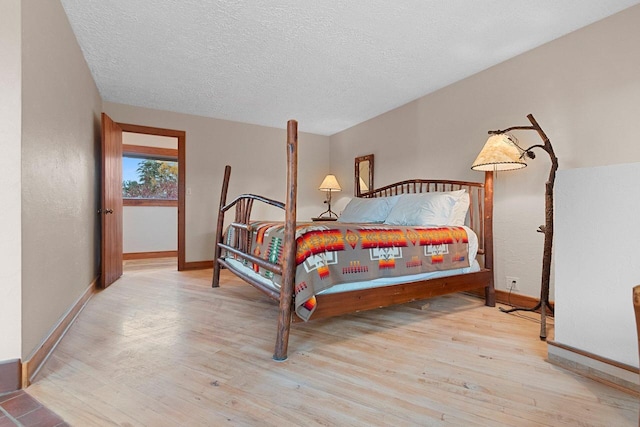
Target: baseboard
x,y
10,375
147,255
597,368
514,300
198,265
36,360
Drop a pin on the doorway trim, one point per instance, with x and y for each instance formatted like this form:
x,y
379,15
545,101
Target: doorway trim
x,y
182,172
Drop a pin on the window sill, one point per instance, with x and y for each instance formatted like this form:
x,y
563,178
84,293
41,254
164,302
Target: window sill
x,y
149,202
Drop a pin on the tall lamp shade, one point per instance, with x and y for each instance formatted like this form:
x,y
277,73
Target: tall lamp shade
x,y
330,183
500,153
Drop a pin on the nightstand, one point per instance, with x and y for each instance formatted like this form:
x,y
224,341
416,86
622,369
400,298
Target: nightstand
x,y
323,219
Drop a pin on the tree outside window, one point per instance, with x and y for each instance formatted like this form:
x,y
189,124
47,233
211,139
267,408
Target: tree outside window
x,y
152,179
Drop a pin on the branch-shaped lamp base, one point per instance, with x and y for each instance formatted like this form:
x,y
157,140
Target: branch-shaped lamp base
x,y
547,229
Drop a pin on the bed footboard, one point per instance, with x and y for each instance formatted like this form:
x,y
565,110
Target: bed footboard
x,y
242,223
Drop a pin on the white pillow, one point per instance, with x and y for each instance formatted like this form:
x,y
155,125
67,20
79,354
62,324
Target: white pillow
x,y
368,210
460,209
425,209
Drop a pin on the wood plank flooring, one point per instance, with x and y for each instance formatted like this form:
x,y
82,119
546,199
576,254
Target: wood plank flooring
x,y
162,348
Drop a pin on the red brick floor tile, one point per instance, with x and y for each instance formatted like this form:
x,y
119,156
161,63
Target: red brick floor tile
x,y
41,417
7,396
6,421
24,410
20,405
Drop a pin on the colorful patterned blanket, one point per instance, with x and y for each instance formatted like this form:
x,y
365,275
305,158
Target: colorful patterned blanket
x,y
333,253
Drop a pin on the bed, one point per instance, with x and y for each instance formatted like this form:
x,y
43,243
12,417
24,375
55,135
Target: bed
x,y
314,270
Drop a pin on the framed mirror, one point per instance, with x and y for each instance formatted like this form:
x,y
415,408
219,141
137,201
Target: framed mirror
x,y
363,174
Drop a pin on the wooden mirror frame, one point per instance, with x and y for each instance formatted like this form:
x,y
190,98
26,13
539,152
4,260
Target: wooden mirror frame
x,y
358,160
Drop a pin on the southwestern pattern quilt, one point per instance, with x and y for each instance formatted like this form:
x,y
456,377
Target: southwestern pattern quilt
x,y
335,253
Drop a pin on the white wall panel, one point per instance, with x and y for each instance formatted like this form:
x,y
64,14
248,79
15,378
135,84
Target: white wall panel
x,y
597,260
149,229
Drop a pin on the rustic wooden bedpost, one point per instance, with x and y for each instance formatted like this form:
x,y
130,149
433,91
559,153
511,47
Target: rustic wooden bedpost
x,y
289,250
219,229
489,291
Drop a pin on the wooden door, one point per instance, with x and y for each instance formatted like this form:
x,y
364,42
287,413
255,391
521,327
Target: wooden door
x,y
111,202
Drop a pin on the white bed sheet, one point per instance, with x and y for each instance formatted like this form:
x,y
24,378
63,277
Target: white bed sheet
x,y
344,287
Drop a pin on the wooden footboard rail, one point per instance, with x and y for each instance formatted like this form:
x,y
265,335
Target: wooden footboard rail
x,y
242,239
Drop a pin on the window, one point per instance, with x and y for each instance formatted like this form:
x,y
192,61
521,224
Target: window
x,y
149,176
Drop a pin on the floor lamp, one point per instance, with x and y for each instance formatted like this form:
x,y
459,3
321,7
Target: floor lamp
x,y
502,152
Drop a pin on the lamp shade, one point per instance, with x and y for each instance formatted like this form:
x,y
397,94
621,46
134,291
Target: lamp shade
x,y
330,183
499,153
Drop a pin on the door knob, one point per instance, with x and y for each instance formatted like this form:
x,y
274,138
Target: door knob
x,y
108,211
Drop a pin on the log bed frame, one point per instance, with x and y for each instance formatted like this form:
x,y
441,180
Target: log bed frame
x,y
480,215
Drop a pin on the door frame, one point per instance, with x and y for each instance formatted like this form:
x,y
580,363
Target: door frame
x,y
181,136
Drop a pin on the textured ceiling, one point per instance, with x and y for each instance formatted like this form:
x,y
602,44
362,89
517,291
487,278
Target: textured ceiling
x,y
331,64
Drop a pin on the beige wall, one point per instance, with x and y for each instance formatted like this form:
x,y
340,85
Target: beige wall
x,y
257,157
584,90
10,189
60,172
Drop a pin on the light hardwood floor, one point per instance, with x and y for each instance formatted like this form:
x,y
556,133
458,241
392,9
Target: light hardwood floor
x,y
162,348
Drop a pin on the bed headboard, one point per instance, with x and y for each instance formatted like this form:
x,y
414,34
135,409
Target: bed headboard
x,y
480,205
